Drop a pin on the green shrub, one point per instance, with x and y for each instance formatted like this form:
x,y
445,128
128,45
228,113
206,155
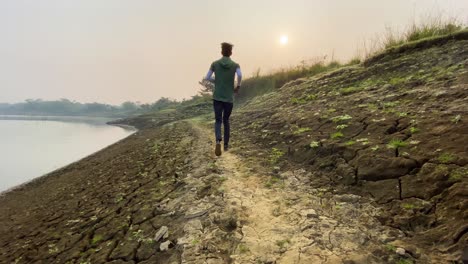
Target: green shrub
x,y
396,143
275,155
350,90
458,174
446,157
336,135
340,118
414,130
301,130
314,144
341,127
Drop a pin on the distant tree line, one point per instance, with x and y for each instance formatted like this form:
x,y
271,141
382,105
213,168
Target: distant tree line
x,y
65,107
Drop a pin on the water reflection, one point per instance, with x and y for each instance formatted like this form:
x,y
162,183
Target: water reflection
x,y
31,148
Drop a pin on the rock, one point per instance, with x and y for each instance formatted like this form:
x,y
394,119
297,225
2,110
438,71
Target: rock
x,y
371,168
198,211
347,173
387,86
124,250
162,233
431,180
383,191
309,213
400,251
193,226
347,198
465,255
165,245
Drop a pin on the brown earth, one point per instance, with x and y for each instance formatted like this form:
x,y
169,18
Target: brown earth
x,y
366,164
108,207
392,129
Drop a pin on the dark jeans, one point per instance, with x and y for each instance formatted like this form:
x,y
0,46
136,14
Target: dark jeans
x,y
222,113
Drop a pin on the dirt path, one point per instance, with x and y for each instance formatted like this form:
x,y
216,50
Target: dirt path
x,y
290,222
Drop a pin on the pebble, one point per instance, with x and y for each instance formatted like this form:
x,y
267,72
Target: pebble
x,y
400,251
309,213
162,233
165,245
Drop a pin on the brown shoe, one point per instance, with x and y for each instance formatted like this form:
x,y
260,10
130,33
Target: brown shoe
x,y
218,149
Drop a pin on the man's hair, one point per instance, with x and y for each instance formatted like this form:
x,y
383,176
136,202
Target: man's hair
x,y
226,49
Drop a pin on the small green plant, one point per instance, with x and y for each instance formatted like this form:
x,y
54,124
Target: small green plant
x,y
310,97
375,148
212,166
119,198
243,248
272,181
340,118
458,174
283,243
396,144
301,130
446,157
414,130
275,155
402,114
156,147
456,119
341,127
336,135
314,144
372,107
397,81
363,141
298,100
390,104
350,143
350,90
408,206
52,248
405,261
96,239
276,211
195,242
138,235
390,247
353,61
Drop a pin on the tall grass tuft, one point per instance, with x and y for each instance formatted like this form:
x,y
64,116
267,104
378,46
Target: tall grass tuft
x,y
429,28
260,84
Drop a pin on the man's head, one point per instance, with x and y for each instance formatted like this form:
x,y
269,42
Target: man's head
x,y
226,49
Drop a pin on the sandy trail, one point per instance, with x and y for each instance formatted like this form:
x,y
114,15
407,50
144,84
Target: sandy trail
x,y
283,218
271,222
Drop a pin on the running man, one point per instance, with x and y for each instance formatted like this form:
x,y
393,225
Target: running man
x,y
225,70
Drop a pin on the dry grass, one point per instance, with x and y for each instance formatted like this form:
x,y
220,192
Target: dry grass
x,y
429,27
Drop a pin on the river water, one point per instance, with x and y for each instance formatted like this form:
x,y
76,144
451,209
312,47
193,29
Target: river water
x,y
31,148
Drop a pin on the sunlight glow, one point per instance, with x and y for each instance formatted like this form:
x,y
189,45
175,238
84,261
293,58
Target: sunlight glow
x,y
284,40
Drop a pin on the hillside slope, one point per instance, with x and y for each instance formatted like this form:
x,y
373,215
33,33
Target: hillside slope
x,y
393,128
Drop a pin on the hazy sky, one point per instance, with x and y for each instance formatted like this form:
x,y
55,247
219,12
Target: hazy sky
x,y
140,50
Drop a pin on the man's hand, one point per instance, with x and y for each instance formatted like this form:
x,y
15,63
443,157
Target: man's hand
x,y
236,90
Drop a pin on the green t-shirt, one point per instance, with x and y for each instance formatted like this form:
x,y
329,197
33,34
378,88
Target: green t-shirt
x,y
224,70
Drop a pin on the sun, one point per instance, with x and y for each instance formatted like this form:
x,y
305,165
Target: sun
x,y
284,39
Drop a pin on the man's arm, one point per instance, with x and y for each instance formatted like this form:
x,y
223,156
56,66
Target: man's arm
x,y
209,76
239,80
239,76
